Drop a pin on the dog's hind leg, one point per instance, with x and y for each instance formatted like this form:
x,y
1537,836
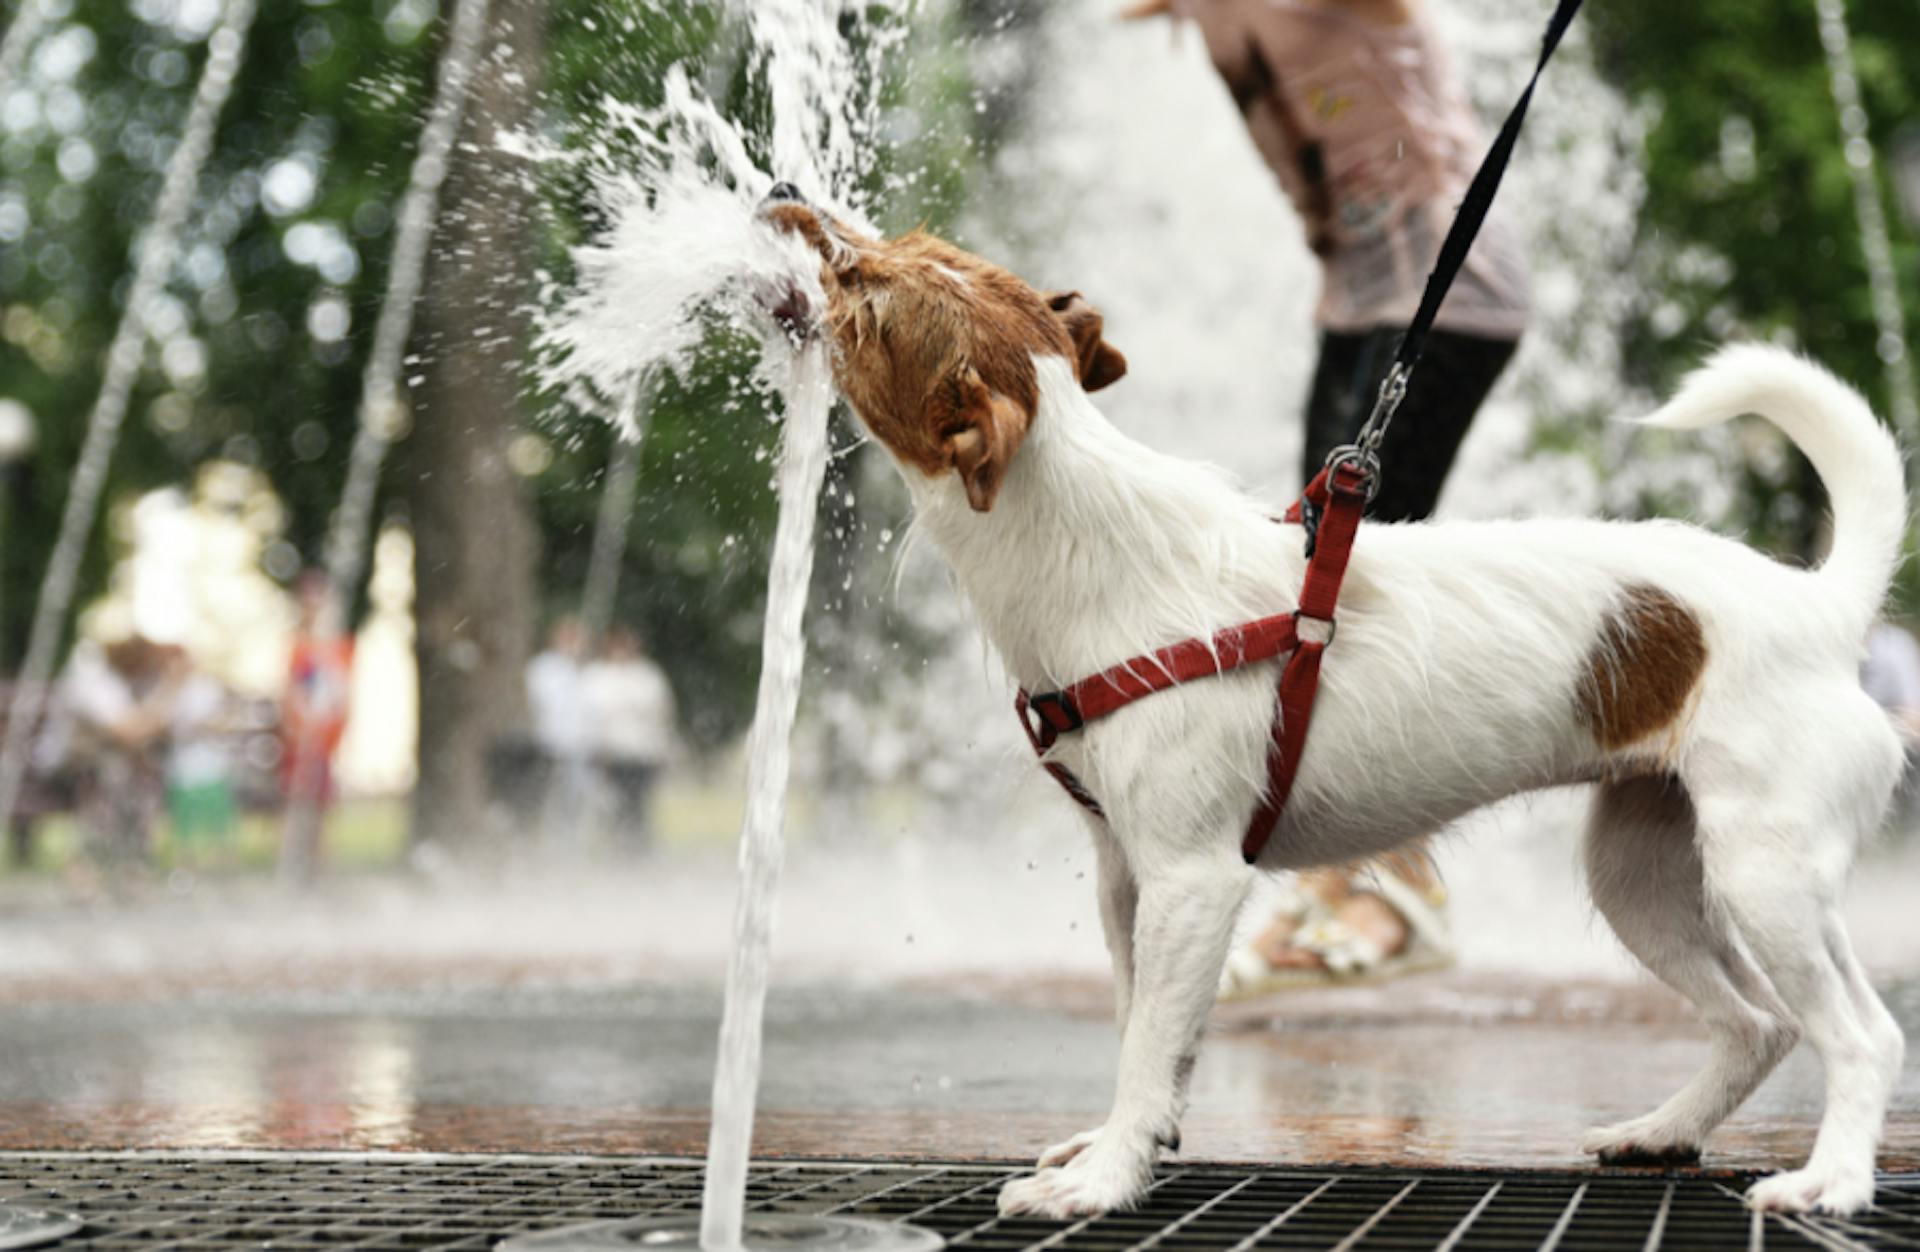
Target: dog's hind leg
x,y
1186,910
1119,903
1776,845
1644,871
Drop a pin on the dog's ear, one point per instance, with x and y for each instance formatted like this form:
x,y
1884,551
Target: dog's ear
x,y
1097,362
979,440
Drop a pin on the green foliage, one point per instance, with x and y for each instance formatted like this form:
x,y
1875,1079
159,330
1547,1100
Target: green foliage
x,y
235,366
1749,225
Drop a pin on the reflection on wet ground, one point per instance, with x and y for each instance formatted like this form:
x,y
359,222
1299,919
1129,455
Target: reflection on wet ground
x,y
1456,1069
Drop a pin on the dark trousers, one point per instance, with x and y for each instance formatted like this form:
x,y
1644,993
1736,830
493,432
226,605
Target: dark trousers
x,y
1454,376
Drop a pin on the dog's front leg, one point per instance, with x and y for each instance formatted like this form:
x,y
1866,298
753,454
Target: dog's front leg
x,y
1119,904
1119,907
1184,921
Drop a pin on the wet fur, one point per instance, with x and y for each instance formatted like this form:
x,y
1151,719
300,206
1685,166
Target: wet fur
x,y
1712,694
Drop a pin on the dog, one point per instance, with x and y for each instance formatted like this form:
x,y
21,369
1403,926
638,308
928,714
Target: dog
x,y
1709,694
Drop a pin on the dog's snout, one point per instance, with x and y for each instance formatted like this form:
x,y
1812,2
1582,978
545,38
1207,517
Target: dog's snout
x,y
784,190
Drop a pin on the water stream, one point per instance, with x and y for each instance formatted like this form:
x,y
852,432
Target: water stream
x,y
769,753
382,410
686,251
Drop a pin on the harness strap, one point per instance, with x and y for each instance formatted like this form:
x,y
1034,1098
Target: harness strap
x,y
1343,488
1047,707
1338,497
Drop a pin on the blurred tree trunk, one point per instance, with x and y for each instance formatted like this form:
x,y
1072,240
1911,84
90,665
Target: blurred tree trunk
x,y
476,545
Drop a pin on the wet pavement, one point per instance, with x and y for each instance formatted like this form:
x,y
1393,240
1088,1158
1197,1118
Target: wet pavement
x,y
1454,1069
934,999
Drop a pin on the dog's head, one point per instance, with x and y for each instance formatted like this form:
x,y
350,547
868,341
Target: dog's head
x,y
933,347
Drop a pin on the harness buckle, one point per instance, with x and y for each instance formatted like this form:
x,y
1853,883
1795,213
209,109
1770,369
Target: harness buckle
x,y
1310,523
1057,713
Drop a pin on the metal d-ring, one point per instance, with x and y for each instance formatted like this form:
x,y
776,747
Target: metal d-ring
x,y
1364,460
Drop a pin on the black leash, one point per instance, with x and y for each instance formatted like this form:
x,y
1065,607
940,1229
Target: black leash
x,y
1364,451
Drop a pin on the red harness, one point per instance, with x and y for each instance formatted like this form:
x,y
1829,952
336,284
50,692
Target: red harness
x,y
1338,496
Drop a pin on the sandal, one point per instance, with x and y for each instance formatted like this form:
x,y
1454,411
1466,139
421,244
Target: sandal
x,y
1348,957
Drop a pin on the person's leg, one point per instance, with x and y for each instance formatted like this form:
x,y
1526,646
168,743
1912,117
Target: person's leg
x,y
1334,410
1454,377
309,795
633,790
1455,374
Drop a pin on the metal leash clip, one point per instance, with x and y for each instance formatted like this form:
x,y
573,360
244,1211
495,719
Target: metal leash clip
x,y
1393,389
1363,454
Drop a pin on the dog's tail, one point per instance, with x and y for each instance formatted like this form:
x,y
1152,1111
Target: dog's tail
x,y
1855,456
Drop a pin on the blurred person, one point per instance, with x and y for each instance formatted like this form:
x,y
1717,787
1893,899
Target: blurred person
x,y
1890,673
562,736
117,702
1355,106
313,719
200,761
554,690
48,786
630,706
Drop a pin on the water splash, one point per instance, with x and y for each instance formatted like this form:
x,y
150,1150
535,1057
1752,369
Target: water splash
x,y
1883,278
687,249
382,409
686,252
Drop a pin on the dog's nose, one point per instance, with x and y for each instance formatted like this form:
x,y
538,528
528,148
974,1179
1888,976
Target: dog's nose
x,y
784,190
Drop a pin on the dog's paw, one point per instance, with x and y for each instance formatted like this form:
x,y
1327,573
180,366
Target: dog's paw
x,y
1061,1153
1641,1141
1837,1193
1098,1181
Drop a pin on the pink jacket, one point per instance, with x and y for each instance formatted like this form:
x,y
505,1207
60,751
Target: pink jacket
x,y
1373,139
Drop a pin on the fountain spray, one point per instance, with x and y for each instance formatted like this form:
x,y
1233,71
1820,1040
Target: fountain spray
x,y
687,246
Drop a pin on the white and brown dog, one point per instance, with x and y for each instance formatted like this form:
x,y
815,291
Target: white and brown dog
x,y
1710,694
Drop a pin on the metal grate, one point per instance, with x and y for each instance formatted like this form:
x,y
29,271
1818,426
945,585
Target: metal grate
x,y
150,1201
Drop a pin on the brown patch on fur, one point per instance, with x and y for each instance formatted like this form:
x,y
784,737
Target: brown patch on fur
x,y
1096,363
1642,668
934,347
